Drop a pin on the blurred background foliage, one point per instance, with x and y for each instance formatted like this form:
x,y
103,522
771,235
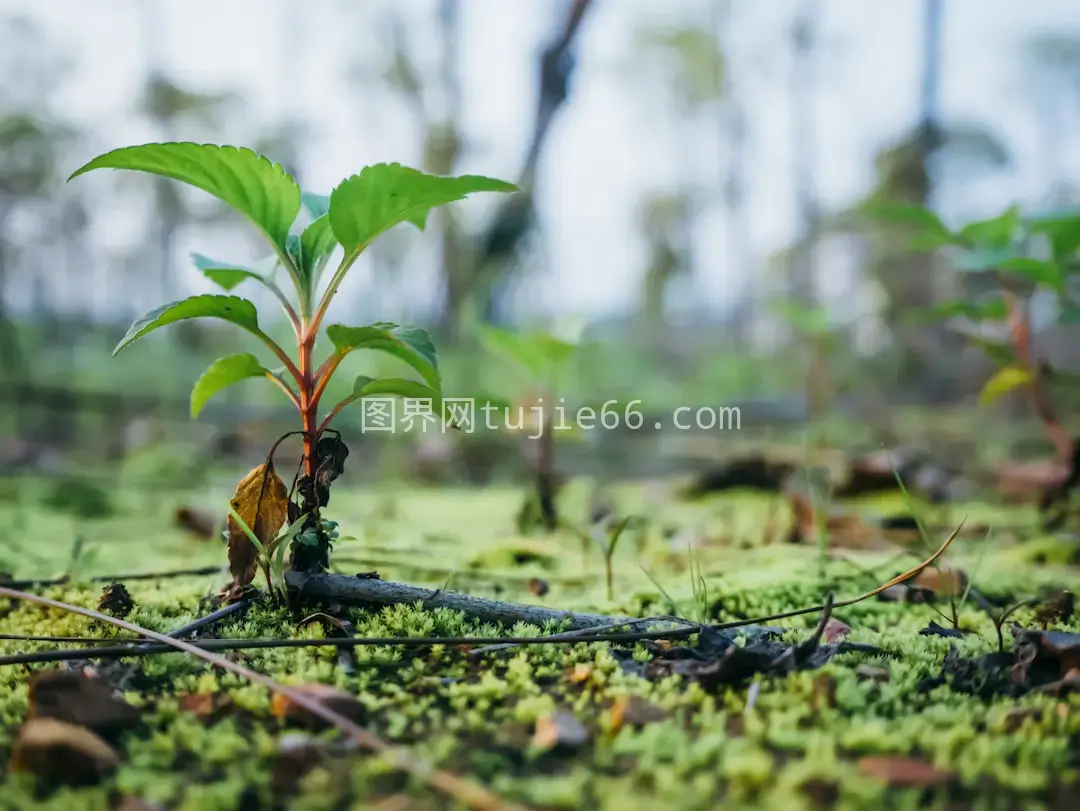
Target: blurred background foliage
x,y
696,177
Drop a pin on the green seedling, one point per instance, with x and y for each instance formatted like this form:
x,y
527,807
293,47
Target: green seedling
x,y
822,338
360,209
272,555
542,357
607,547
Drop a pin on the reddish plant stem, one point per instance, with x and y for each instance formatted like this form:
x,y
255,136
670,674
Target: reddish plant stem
x,y
1020,334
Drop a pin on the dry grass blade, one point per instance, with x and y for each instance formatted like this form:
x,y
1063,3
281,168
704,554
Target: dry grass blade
x,y
471,795
900,578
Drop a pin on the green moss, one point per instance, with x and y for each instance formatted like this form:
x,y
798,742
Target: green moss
x,y
475,717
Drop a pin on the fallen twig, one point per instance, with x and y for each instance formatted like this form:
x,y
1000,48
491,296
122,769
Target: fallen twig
x,y
472,795
383,592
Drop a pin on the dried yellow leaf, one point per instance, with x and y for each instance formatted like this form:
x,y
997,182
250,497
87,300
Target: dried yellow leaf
x,y
262,500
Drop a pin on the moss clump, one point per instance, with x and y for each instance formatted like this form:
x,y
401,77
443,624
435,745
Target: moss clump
x,y
794,742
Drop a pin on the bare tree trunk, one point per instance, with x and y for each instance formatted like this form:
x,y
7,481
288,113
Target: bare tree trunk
x,y
804,89
734,136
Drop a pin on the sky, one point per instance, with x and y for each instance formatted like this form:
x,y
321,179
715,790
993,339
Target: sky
x,y
618,139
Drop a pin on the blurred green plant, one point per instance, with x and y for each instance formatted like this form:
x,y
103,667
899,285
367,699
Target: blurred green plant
x,y
542,357
1023,254
815,324
359,210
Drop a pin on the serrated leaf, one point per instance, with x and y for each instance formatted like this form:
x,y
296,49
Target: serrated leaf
x,y
316,244
233,309
387,194
225,274
254,185
262,502
1040,271
223,373
411,344
1003,381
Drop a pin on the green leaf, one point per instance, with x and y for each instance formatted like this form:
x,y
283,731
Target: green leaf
x,y
390,386
1004,381
1069,315
811,320
1037,270
255,186
909,214
316,205
997,233
1000,352
222,373
1062,229
316,244
979,260
993,309
233,309
224,274
538,352
386,194
411,344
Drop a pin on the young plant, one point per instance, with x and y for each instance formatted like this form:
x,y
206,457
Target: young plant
x,y
542,356
607,547
359,209
1024,254
822,340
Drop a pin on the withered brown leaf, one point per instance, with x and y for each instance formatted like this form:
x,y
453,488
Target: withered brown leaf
x,y
262,500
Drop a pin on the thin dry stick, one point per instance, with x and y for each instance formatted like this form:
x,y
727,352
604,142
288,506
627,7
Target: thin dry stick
x,y
472,795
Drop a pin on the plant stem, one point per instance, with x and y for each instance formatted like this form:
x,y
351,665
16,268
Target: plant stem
x,y
306,558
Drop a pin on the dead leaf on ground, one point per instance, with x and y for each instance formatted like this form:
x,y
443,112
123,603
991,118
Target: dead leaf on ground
x,y
903,772
1015,718
339,701
634,711
206,706
561,730
842,529
835,629
262,500
581,674
1026,482
62,753
74,698
942,582
865,672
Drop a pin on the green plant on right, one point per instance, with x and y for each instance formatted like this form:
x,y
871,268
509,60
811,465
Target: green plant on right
x,y
1022,254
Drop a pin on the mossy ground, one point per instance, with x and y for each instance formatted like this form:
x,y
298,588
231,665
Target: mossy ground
x,y
791,750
